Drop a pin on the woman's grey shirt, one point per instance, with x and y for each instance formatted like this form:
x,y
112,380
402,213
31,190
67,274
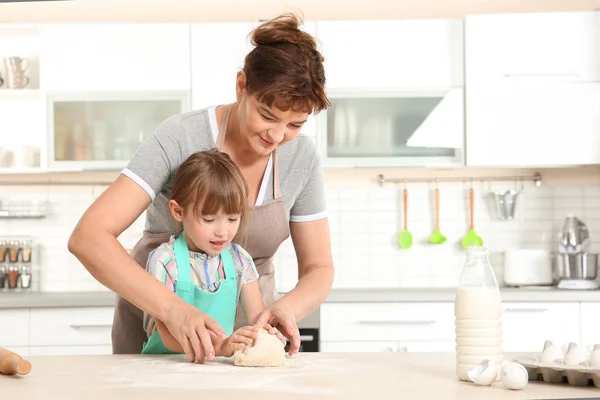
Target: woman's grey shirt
x,y
154,165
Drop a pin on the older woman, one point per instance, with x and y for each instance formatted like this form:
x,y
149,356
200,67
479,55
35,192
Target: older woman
x,y
281,84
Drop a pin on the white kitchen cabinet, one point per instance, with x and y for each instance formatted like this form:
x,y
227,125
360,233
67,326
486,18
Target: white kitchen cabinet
x,y
533,124
590,323
532,46
446,346
392,128
429,327
14,328
359,347
387,322
526,326
217,55
115,57
71,326
404,54
104,130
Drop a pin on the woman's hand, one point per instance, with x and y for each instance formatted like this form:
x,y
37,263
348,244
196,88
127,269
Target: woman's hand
x,y
239,339
275,331
191,328
282,317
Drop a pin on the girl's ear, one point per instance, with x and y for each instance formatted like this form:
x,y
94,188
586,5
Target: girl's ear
x,y
176,210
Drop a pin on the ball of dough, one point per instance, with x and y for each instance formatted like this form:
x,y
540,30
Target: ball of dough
x,y
266,351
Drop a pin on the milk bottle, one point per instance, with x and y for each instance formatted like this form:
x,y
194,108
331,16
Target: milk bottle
x,y
478,313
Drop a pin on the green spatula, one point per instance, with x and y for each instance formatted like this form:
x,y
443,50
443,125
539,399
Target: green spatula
x,y
405,238
437,237
471,238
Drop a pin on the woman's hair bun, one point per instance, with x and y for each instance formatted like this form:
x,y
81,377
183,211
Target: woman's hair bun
x,y
284,29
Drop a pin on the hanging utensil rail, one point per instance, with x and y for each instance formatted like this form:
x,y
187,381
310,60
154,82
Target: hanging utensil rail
x,y
535,178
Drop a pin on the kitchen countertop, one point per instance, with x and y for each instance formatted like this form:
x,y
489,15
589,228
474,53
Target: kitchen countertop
x,y
107,299
307,376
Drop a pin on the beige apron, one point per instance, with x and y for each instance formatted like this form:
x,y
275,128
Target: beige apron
x,y
268,227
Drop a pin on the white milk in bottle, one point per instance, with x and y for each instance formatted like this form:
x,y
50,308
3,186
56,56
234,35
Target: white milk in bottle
x,y
478,314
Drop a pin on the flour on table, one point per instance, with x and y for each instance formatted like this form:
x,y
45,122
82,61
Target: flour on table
x,y
266,351
174,371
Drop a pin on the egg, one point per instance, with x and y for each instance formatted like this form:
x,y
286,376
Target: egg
x,y
595,357
552,353
514,376
576,355
484,374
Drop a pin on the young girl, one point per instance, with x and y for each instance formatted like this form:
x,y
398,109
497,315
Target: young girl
x,y
201,264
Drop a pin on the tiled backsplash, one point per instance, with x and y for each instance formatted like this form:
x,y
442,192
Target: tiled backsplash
x,y
364,225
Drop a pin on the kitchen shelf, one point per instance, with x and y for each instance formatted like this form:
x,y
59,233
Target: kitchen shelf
x,y
23,209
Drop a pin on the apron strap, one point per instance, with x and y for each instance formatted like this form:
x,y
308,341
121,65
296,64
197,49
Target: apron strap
x,y
182,257
223,128
221,143
228,265
276,187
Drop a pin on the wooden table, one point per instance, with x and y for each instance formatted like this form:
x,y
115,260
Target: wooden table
x,y
370,376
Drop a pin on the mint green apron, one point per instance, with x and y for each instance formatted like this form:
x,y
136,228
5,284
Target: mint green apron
x,y
220,305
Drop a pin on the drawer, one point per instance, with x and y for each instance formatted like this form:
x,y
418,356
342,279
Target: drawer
x,y
446,346
526,326
14,328
358,347
387,321
71,326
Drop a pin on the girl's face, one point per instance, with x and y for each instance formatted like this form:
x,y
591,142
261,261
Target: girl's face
x,y
265,128
206,233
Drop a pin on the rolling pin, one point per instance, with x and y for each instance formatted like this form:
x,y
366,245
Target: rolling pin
x,y
12,363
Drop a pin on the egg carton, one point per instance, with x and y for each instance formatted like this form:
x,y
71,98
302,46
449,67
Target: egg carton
x,y
575,375
573,365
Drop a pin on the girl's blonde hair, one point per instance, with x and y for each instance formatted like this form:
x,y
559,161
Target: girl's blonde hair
x,y
208,182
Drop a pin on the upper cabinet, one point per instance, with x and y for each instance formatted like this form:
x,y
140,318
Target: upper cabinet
x,y
115,57
392,128
550,46
392,54
217,55
533,124
533,90
397,93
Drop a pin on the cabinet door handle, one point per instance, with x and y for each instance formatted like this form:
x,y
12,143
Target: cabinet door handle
x,y
566,75
526,310
397,322
307,338
81,327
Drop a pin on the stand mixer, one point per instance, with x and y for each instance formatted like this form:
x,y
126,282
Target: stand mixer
x,y
574,266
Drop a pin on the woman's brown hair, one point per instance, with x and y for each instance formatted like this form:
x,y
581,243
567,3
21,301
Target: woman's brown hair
x,y
285,68
208,182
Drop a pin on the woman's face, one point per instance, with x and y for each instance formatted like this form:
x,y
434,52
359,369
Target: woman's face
x,y
265,128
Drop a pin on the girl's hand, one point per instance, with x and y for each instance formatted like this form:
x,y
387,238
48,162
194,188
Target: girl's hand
x,y
239,339
192,328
